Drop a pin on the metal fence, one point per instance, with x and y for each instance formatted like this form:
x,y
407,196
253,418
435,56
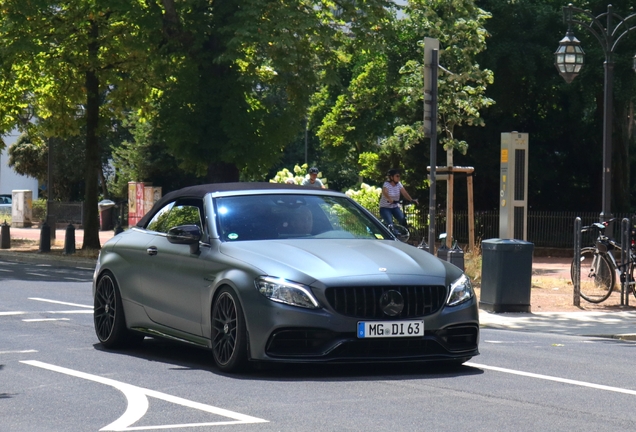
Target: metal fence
x,y
550,229
68,212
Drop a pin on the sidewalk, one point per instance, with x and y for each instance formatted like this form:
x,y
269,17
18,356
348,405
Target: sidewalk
x,y
619,323
616,325
34,234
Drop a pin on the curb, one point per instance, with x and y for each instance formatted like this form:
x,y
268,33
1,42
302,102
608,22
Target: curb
x,y
44,258
630,337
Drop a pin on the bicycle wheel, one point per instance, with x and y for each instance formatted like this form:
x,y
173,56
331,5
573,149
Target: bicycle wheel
x,y
400,232
597,275
632,282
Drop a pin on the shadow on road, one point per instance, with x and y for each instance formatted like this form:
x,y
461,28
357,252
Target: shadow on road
x,y
12,270
186,357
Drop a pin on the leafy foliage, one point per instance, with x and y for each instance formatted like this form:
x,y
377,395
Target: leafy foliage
x,y
296,176
72,63
374,121
367,196
145,157
29,156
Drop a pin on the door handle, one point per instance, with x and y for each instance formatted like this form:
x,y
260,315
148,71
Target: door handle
x,y
152,250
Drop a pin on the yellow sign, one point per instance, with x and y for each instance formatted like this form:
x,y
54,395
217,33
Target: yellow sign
x,y
504,155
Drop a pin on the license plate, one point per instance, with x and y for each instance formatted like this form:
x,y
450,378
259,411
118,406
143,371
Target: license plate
x,y
378,329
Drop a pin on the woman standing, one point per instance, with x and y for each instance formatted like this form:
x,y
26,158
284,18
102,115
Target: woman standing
x,y
390,199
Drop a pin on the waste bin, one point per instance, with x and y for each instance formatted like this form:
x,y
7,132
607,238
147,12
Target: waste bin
x,y
506,275
106,214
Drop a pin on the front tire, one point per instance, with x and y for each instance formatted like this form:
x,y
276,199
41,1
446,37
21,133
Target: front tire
x,y
597,275
229,336
108,315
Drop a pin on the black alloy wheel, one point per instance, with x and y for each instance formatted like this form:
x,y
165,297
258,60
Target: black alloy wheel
x,y
108,315
229,343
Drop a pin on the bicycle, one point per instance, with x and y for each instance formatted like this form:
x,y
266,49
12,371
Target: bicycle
x,y
399,231
599,266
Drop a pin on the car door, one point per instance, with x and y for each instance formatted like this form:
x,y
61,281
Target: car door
x,y
174,279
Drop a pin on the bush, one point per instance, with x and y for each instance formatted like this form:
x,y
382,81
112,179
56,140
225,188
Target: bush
x,y
295,177
39,209
367,196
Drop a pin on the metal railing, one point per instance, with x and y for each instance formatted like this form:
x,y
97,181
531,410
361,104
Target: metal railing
x,y
68,212
551,229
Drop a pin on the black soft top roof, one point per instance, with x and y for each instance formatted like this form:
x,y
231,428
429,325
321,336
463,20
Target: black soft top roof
x,y
200,191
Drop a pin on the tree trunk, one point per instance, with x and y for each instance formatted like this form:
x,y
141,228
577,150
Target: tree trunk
x,y
91,221
620,158
221,172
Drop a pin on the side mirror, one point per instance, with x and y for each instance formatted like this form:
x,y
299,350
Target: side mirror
x,y
184,234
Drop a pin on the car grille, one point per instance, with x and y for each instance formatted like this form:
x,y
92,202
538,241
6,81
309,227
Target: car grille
x,y
364,302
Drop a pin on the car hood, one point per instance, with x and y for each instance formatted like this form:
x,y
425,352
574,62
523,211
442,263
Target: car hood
x,y
348,261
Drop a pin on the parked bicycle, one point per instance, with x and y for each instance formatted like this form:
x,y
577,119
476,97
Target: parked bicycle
x,y
599,266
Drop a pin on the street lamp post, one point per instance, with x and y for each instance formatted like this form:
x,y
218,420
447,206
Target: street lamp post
x,y
569,59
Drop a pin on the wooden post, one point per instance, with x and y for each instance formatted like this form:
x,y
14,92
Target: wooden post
x,y
449,205
471,212
447,174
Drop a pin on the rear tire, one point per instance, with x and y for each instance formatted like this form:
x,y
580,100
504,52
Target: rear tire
x,y
108,315
229,336
597,275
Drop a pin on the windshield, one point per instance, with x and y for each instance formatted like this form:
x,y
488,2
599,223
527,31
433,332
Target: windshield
x,y
269,217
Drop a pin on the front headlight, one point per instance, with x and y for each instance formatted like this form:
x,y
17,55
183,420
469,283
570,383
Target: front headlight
x,y
283,291
460,291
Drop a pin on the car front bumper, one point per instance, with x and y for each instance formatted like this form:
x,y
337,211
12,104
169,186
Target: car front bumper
x,y
282,333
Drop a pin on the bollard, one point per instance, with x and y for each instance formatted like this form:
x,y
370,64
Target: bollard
x,y
5,236
456,256
69,240
576,269
45,238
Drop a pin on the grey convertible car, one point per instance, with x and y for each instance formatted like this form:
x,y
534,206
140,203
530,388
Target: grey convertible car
x,y
280,273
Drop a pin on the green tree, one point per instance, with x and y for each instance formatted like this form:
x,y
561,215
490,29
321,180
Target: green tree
x,y
564,121
379,109
74,63
143,156
29,156
238,76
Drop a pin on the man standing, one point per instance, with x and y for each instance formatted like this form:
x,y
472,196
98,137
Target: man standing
x,y
313,180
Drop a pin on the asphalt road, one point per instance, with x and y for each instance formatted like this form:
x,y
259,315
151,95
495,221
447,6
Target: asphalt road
x,y
55,377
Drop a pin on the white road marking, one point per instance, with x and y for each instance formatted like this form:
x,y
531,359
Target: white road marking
x,y
553,378
70,312
45,319
12,313
37,274
60,302
6,270
43,265
138,403
18,352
